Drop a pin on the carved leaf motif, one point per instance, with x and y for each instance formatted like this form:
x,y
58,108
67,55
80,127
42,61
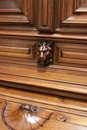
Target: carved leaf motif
x,y
25,117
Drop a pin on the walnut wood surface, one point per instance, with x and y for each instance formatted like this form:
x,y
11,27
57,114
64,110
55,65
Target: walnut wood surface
x,y
66,113
20,36
23,25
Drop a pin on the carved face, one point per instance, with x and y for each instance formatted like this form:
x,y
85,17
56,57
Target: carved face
x,y
45,53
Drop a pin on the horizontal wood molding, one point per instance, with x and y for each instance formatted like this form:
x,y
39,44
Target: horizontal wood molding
x,y
45,80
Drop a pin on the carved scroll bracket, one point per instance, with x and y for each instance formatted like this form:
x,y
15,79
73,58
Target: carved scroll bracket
x,y
45,51
29,108
17,116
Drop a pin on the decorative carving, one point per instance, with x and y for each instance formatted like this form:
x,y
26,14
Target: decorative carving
x,y
75,16
61,117
29,108
45,53
24,117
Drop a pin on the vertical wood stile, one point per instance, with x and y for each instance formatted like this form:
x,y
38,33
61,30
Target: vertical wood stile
x,y
45,15
44,12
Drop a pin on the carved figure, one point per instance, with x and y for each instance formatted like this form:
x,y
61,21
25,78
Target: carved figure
x,y
45,53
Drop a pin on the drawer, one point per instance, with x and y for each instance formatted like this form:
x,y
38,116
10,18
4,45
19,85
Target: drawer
x,y
70,54
13,115
22,110
18,51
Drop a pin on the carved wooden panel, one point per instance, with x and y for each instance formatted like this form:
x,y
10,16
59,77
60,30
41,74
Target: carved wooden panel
x,y
17,12
74,54
14,50
18,116
45,15
72,16
24,116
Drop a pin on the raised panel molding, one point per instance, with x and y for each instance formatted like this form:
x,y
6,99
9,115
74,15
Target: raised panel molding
x,y
70,54
45,15
73,14
18,51
17,12
78,4
27,7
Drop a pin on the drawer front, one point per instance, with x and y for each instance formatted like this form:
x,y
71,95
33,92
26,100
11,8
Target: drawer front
x,y
13,50
70,54
28,114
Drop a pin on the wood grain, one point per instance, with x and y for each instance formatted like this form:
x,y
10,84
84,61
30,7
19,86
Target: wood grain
x,y
47,97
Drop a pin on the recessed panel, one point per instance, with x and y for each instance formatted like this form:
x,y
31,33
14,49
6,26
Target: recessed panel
x,y
70,54
18,51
